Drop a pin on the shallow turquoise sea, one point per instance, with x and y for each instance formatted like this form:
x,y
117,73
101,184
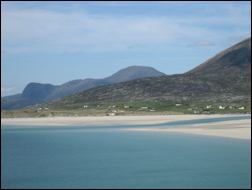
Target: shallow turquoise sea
x,y
85,158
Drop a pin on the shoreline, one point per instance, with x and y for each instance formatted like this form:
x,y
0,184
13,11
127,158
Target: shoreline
x,y
240,129
94,120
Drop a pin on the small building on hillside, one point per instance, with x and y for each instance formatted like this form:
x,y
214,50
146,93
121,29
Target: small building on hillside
x,y
144,107
111,114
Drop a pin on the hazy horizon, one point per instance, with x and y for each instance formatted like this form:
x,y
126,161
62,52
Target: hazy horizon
x,y
55,42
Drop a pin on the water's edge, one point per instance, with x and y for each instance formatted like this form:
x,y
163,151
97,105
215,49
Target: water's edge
x,y
180,123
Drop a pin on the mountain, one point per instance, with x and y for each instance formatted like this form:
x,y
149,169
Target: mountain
x,y
38,92
127,74
234,59
133,72
75,86
225,77
35,93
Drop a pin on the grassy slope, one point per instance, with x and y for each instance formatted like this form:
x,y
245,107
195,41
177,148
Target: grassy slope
x,y
163,107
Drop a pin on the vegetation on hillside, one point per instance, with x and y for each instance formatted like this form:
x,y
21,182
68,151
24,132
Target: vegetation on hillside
x,y
130,108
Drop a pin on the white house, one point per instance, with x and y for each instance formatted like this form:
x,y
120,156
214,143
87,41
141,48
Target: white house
x,y
85,106
208,106
178,104
241,108
221,107
144,107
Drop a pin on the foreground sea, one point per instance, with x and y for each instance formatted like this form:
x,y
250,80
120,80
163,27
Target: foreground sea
x,y
80,157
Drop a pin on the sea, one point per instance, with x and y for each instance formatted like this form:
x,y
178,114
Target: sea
x,y
108,157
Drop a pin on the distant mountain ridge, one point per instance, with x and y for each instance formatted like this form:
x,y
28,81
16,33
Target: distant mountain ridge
x,y
225,77
35,93
133,72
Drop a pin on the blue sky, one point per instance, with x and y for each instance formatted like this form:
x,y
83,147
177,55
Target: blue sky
x,y
54,42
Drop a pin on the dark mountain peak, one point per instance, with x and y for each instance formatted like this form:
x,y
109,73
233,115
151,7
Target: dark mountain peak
x,y
37,91
133,72
33,85
233,59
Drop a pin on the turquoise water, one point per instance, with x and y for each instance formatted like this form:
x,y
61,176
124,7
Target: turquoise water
x,y
81,158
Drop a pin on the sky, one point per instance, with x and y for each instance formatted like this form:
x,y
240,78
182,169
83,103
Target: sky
x,y
55,42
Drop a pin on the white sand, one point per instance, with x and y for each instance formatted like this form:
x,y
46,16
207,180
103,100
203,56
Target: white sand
x,y
239,129
234,129
94,120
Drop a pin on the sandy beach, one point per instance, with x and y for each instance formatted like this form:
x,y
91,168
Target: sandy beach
x,y
240,129
234,129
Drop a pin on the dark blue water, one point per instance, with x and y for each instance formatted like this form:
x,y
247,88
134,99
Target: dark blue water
x,y
80,158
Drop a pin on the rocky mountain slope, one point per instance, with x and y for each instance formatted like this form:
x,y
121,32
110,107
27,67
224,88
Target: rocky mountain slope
x,y
35,93
224,78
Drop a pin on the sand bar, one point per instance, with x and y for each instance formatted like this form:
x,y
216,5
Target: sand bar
x,y
234,129
96,120
240,129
